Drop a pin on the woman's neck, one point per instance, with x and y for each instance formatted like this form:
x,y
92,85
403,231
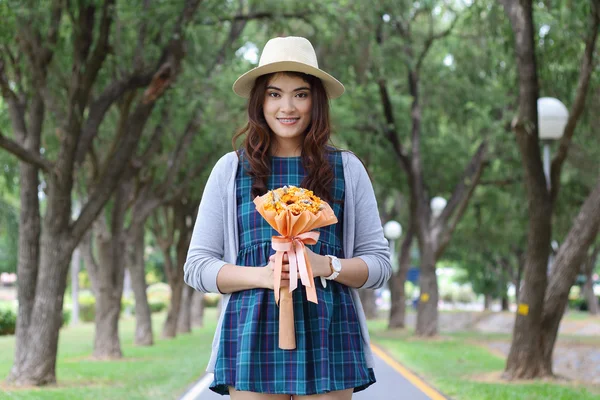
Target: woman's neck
x,y
286,149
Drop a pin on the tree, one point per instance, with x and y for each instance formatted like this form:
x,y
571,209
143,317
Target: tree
x,y
30,87
433,234
541,305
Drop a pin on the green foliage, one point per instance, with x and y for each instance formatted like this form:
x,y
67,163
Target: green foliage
x,y
87,308
157,306
66,317
211,300
8,321
84,280
9,235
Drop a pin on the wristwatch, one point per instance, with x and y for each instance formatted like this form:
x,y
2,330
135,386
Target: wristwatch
x,y
336,267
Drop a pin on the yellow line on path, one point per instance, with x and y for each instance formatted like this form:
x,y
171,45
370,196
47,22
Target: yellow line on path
x,y
412,378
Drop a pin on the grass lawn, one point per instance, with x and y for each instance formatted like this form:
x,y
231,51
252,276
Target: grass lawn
x,y
162,371
463,370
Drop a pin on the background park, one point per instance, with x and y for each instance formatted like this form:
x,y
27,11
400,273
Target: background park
x,y
477,120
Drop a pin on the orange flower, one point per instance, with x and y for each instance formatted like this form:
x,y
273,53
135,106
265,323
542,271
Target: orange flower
x,y
294,199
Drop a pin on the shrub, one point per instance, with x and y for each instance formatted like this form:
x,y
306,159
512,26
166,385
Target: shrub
x,y
159,292
157,306
465,295
211,299
87,308
66,317
8,322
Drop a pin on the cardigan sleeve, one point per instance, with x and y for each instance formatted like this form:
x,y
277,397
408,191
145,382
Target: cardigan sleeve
x,y
207,246
370,244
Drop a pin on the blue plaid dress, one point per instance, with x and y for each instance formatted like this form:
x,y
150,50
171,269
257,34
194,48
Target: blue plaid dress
x,y
329,354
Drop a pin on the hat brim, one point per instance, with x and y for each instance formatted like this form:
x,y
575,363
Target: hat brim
x,y
244,84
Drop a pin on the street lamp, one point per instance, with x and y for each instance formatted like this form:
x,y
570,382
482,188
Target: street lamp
x,y
392,230
437,206
552,119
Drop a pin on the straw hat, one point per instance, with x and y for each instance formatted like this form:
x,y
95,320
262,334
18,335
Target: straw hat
x,y
290,53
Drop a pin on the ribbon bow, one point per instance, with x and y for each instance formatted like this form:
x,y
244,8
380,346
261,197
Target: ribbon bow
x,y
299,263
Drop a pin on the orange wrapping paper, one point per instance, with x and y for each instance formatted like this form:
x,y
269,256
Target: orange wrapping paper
x,y
295,231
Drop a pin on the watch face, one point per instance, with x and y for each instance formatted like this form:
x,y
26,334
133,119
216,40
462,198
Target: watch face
x,y
336,264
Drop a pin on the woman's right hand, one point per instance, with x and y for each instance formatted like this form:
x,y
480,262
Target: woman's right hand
x,y
270,273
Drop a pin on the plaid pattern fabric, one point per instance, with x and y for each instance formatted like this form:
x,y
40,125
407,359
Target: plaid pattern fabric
x,y
328,354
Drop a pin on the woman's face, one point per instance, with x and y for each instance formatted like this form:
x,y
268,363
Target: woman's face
x,y
287,109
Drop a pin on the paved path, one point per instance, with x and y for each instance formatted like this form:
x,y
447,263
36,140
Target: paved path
x,y
394,382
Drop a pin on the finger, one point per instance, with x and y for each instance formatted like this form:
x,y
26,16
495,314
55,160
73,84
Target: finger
x,y
285,283
285,267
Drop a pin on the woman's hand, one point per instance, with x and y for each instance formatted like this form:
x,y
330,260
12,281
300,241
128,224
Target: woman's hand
x,y
270,272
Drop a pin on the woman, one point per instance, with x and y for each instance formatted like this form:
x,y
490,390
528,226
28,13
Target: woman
x,y
286,143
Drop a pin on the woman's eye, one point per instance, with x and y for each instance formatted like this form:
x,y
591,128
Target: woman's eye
x,y
303,95
273,94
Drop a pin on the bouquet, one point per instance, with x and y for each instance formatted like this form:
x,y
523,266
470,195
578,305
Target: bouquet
x,y
293,212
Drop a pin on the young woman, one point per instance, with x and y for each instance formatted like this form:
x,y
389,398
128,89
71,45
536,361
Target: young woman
x,y
286,143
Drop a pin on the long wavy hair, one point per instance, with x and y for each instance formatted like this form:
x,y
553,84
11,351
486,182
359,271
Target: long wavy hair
x,y
317,139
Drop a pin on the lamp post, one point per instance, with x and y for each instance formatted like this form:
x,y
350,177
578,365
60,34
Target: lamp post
x,y
392,230
552,119
437,205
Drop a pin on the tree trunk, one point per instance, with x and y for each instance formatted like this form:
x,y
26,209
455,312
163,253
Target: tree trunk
x,y
27,265
571,255
525,360
397,292
184,321
367,298
588,288
198,309
427,311
505,304
75,265
36,365
590,296
182,220
398,301
170,326
143,316
108,298
487,301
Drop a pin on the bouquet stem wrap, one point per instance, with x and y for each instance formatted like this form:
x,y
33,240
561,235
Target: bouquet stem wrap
x,y
297,231
299,264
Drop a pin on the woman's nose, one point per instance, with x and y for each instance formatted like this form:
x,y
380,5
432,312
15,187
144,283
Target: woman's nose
x,y
288,104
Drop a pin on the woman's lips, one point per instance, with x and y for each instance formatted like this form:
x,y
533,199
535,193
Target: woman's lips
x,y
288,121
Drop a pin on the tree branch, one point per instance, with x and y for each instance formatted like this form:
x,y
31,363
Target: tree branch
x,y
189,178
99,107
459,200
585,73
390,127
167,70
432,38
258,16
25,155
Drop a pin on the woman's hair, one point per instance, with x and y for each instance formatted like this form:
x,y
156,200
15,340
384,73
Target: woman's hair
x,y
258,136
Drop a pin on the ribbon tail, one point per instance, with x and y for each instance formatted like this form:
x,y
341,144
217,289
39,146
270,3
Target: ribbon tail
x,y
302,263
277,276
311,292
293,262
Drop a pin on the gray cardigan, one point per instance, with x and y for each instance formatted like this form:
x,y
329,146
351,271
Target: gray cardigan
x,y
215,238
